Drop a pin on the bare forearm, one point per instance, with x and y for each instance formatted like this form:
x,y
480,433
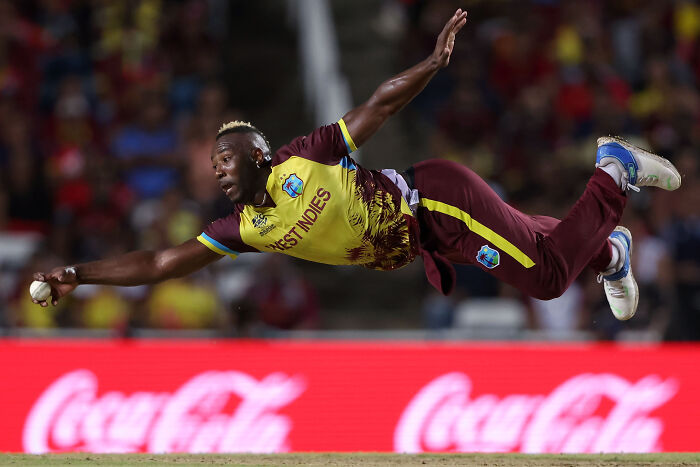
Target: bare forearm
x,y
390,97
393,94
135,268
147,267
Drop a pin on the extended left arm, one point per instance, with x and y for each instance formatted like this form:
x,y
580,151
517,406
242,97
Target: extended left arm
x,y
392,95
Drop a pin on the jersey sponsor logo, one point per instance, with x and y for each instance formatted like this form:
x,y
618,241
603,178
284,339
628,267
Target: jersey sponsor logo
x,y
259,221
488,257
293,186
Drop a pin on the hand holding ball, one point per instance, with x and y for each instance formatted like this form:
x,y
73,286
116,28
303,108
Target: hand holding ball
x,y
59,282
40,290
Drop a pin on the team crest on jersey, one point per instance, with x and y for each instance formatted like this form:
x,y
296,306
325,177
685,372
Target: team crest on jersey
x,y
293,186
488,257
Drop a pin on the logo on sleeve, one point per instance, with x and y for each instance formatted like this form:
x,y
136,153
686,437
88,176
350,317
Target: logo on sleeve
x,y
488,257
293,186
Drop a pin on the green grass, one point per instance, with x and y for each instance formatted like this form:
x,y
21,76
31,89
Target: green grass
x,y
356,459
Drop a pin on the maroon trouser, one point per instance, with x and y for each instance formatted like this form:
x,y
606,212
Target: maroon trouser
x,y
559,249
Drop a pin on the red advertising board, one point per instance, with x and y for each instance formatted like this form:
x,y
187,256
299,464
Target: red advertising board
x,y
280,396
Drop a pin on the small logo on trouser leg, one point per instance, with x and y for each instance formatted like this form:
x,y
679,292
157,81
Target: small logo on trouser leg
x,y
488,257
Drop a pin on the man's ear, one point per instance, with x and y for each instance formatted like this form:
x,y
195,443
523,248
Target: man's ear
x,y
261,158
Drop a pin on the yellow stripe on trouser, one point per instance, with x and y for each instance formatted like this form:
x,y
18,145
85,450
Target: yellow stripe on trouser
x,y
479,229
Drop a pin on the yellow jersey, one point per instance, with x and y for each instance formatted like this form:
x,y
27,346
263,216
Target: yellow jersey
x,y
327,209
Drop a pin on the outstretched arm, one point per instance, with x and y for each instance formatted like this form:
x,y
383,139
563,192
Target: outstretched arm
x,y
135,268
390,97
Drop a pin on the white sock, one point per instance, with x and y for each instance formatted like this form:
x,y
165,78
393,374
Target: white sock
x,y
614,171
618,257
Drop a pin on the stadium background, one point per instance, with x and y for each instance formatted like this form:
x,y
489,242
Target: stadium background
x,y
92,92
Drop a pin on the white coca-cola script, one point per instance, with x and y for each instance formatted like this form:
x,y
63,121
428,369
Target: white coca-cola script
x,y
587,413
215,411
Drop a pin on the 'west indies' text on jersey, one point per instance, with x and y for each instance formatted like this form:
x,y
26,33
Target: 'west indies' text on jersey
x,y
327,209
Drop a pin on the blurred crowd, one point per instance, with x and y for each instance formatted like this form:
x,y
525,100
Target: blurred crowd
x,y
108,109
107,116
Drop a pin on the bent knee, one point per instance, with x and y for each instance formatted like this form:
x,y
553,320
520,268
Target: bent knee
x,y
551,290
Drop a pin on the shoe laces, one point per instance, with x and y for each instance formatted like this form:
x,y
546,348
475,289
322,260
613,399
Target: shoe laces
x,y
626,185
615,288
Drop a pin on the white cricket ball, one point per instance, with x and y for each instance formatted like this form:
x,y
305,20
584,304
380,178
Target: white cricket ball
x,y
40,290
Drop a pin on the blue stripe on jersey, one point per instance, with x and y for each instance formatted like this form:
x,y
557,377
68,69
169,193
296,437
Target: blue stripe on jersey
x,y
347,146
219,245
349,143
347,163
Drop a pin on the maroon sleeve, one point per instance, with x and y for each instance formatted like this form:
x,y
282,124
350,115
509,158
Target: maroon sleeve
x,y
325,145
224,235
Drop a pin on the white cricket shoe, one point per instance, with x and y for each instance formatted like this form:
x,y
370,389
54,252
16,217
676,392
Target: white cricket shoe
x,y
639,167
620,287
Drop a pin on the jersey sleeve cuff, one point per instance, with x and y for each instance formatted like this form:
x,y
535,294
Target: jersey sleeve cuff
x,y
216,247
349,143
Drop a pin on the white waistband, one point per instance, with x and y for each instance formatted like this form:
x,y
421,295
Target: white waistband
x,y
411,196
